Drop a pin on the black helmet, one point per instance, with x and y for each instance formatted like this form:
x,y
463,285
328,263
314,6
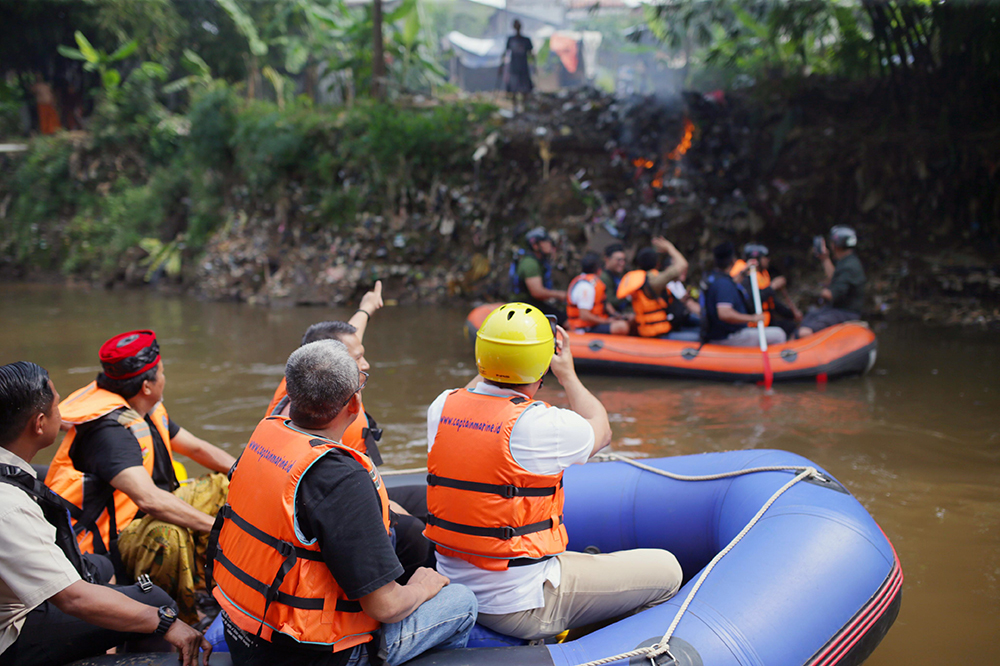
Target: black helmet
x,y
754,251
536,235
842,237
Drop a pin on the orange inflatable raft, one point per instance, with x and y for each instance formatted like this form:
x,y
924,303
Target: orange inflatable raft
x,y
838,351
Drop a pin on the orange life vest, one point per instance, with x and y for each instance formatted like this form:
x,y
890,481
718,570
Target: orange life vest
x,y
651,312
362,435
269,578
94,499
763,282
483,507
600,296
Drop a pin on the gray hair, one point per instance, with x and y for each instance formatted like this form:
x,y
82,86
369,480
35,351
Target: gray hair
x,y
321,377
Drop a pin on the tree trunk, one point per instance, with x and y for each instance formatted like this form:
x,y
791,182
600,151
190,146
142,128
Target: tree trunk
x,y
378,53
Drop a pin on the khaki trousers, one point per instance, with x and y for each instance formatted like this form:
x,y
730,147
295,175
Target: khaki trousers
x,y
594,588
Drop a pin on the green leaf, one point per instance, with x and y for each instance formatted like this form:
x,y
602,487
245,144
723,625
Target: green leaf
x,y
403,10
245,25
111,79
194,64
88,51
154,70
411,29
543,53
296,57
180,84
751,23
70,52
124,51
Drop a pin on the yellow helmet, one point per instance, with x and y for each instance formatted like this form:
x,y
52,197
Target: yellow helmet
x,y
514,345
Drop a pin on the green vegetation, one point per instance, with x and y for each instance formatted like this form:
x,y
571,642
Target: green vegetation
x,y
201,114
80,203
933,53
182,140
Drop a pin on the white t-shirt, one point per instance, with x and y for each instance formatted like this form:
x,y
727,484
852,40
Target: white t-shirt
x,y
32,568
545,440
583,295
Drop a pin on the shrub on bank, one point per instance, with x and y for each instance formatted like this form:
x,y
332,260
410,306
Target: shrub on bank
x,y
81,202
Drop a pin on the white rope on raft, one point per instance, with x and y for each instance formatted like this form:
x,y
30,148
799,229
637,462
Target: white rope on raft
x,y
662,647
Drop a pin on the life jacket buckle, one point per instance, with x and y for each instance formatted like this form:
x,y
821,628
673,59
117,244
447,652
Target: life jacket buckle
x,y
509,492
508,533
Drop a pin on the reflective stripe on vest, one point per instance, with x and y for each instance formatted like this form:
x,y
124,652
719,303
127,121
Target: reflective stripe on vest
x,y
362,435
270,579
483,507
651,316
573,312
92,495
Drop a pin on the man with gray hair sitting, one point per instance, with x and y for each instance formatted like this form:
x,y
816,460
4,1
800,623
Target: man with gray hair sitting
x,y
316,512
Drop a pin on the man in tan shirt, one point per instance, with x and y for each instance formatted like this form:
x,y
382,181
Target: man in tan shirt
x,y
47,588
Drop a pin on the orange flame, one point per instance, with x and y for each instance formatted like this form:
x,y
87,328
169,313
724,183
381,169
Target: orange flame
x,y
642,163
685,143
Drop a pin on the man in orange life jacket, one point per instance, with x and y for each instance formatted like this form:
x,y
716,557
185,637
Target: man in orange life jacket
x,y
55,604
495,494
586,301
651,300
776,312
406,503
305,568
115,463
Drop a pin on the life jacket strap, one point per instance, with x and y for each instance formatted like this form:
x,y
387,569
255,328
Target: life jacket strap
x,y
505,491
505,533
266,538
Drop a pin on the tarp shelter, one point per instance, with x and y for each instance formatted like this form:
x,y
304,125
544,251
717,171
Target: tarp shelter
x,y
476,65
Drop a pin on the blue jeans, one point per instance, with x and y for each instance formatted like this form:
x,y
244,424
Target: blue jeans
x,y
442,623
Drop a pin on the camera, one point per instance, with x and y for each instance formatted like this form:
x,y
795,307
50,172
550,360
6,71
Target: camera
x,y
818,245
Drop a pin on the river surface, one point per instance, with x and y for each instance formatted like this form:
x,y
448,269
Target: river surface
x,y
917,441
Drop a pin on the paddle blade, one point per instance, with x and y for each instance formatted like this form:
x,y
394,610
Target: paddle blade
x,y
768,375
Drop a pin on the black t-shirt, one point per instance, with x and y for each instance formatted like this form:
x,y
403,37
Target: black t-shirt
x,y
337,505
104,448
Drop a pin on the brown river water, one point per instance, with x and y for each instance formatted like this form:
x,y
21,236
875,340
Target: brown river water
x,y
917,441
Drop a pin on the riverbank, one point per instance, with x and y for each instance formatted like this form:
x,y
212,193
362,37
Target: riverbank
x,y
305,211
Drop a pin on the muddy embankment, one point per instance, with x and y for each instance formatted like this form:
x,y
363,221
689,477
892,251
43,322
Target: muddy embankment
x,y
764,165
758,165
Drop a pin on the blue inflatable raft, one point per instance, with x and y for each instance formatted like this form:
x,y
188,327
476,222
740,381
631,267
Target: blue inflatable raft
x,y
813,582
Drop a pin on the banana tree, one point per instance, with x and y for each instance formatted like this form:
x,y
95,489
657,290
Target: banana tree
x,y
96,60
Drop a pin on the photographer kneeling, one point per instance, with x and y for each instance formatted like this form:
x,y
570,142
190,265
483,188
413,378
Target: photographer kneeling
x,y
844,293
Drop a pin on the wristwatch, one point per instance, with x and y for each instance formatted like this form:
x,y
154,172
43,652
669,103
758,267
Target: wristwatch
x,y
167,617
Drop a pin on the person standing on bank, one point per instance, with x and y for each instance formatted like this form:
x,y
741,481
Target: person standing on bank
x,y
517,54
55,604
309,519
844,292
531,275
727,306
509,547
116,465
